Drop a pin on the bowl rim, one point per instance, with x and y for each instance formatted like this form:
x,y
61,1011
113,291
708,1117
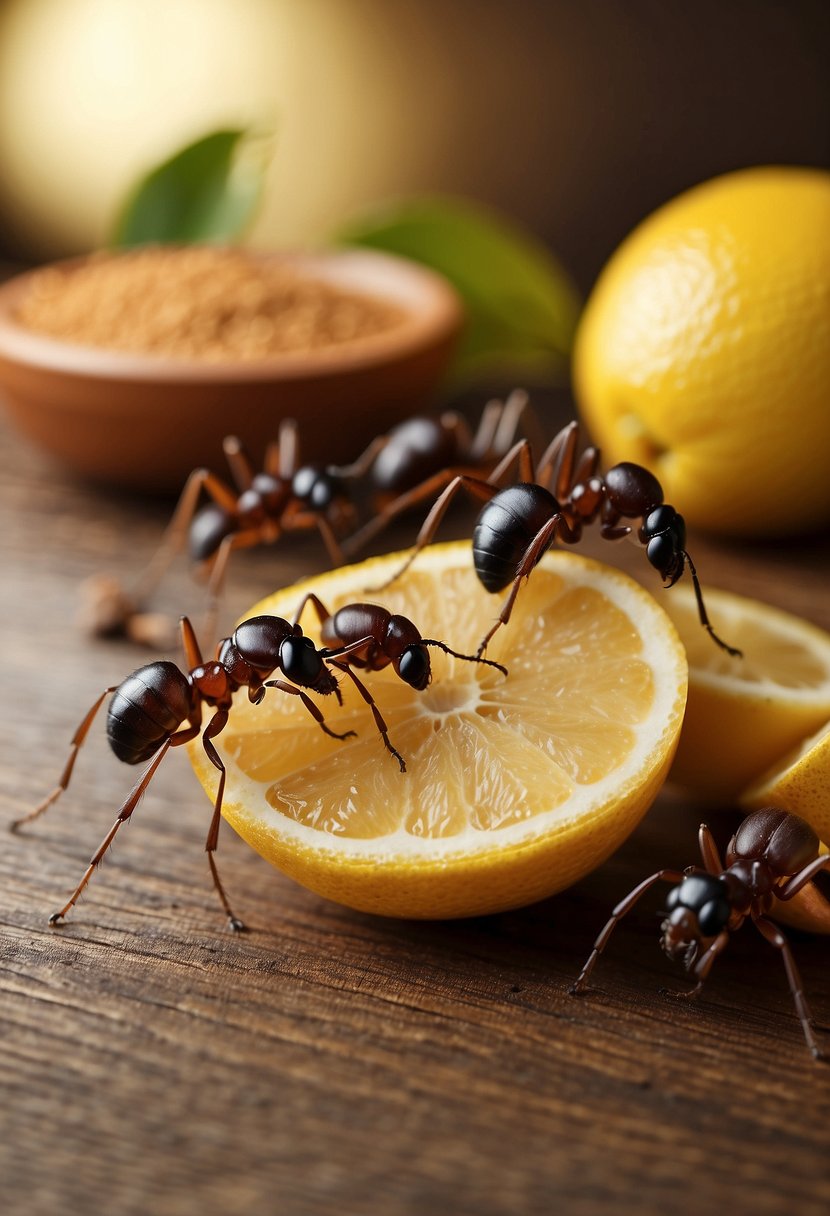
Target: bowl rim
x,y
437,320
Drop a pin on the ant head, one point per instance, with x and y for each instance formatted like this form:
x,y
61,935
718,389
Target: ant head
x,y
316,487
414,667
301,662
698,909
663,532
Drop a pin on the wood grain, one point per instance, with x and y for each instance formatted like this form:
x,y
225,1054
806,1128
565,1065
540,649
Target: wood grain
x,y
328,1061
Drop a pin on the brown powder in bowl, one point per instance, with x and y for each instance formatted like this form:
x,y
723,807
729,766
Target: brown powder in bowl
x,y
199,303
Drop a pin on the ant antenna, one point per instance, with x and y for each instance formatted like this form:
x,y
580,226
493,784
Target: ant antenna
x,y
702,613
468,658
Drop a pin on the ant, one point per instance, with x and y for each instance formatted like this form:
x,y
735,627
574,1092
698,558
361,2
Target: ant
x,y
422,454
371,637
287,496
772,856
258,509
148,710
517,525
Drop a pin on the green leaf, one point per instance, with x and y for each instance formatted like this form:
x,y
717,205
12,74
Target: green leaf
x,y
522,307
206,192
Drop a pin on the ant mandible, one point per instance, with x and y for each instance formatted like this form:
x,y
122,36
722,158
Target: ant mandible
x,y
772,856
369,636
148,710
261,506
517,525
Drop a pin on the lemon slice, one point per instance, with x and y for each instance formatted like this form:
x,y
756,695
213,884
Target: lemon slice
x,y
800,783
743,715
515,786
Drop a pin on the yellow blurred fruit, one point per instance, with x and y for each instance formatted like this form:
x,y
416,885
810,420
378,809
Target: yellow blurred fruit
x,y
704,352
744,714
515,786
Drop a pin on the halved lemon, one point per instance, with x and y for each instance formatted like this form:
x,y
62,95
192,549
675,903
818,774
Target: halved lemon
x,y
515,786
744,714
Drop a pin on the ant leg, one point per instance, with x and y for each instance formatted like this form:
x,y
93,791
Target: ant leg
x,y
75,746
557,463
317,604
776,938
511,414
190,645
703,615
520,451
483,442
404,502
124,813
798,881
701,969
709,851
282,457
218,571
239,462
310,706
622,908
213,728
299,521
542,540
176,532
370,701
482,490
360,467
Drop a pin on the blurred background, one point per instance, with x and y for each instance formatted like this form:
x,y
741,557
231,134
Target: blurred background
x,y
575,118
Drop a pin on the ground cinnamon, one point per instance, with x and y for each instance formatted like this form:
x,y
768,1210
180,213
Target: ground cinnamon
x,y
201,303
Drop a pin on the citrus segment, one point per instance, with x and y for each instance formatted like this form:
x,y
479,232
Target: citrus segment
x,y
744,714
515,786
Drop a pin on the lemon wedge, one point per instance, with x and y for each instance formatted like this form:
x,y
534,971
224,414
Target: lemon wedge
x,y
745,714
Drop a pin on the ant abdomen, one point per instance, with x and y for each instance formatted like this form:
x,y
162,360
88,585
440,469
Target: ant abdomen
x,y
208,529
505,527
146,709
416,449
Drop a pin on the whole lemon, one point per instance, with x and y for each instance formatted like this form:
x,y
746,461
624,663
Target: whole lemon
x,y
704,351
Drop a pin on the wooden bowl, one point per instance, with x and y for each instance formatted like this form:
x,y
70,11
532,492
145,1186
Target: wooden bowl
x,y
144,422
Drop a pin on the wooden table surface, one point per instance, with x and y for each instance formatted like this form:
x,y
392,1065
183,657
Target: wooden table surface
x,y
328,1061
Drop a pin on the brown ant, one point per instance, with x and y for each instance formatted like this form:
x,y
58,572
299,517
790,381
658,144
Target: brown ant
x,y
258,509
371,637
287,497
147,712
517,525
422,454
772,856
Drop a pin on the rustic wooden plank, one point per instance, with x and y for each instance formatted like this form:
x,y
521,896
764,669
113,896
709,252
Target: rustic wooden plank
x,y
329,1061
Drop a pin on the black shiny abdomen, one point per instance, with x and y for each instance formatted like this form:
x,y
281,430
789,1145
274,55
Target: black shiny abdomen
x,y
416,449
208,529
146,709
504,529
